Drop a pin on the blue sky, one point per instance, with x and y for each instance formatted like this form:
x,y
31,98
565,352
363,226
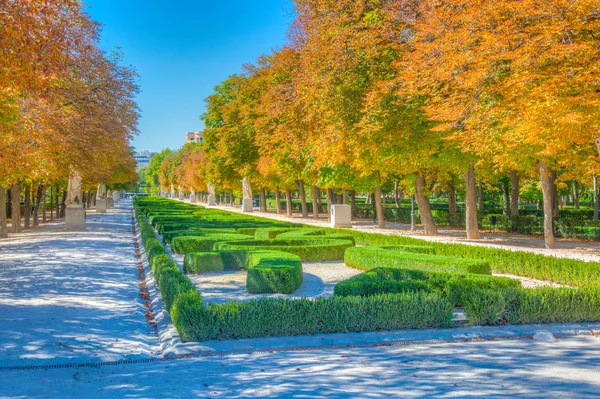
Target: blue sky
x,y
182,49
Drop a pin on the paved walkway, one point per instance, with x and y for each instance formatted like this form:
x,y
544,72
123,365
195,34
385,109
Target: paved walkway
x,y
72,297
521,369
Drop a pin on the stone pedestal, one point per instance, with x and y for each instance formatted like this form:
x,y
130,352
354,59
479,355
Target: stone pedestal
x,y
110,203
101,206
75,218
116,196
247,205
341,216
212,200
193,198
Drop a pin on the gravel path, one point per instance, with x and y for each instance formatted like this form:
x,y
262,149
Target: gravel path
x,y
73,297
319,280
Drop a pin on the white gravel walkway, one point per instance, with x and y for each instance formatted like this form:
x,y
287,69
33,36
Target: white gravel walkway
x,y
73,297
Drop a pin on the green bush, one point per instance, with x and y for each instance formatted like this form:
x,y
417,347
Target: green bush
x,y
366,258
552,305
168,236
198,262
456,287
268,271
288,317
485,306
309,249
560,270
184,244
273,272
270,232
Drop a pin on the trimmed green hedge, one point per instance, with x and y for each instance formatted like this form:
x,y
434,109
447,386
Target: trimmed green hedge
x,y
270,232
456,287
201,262
273,272
268,271
168,236
288,317
309,249
185,244
540,305
560,270
366,258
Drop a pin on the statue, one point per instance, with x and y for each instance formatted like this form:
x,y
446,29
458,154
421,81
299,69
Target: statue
x,y
211,189
74,189
246,189
101,194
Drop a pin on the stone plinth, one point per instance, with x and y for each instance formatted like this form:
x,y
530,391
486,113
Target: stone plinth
x,y
341,216
116,196
75,218
247,205
212,200
110,203
192,198
101,206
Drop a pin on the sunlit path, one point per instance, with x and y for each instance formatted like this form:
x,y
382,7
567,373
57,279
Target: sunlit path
x,y
72,297
524,369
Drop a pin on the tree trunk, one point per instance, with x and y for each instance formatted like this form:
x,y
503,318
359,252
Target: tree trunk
x,y
555,197
506,197
424,207
329,201
576,194
51,204
379,208
315,201
231,200
452,203
36,209
345,197
263,200
3,226
595,193
300,186
288,201
480,196
471,210
353,199
15,195
278,201
396,192
63,204
27,207
514,193
548,191
44,206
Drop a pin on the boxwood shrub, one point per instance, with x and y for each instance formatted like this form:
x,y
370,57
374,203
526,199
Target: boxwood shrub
x,y
185,244
288,317
308,249
268,271
366,258
456,287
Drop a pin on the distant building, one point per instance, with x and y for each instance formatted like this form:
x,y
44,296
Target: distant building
x,y
143,158
194,137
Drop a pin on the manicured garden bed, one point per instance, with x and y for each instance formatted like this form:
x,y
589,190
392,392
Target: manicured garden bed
x,y
408,283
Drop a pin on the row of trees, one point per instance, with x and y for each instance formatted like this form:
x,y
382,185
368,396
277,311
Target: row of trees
x,y
434,95
65,104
